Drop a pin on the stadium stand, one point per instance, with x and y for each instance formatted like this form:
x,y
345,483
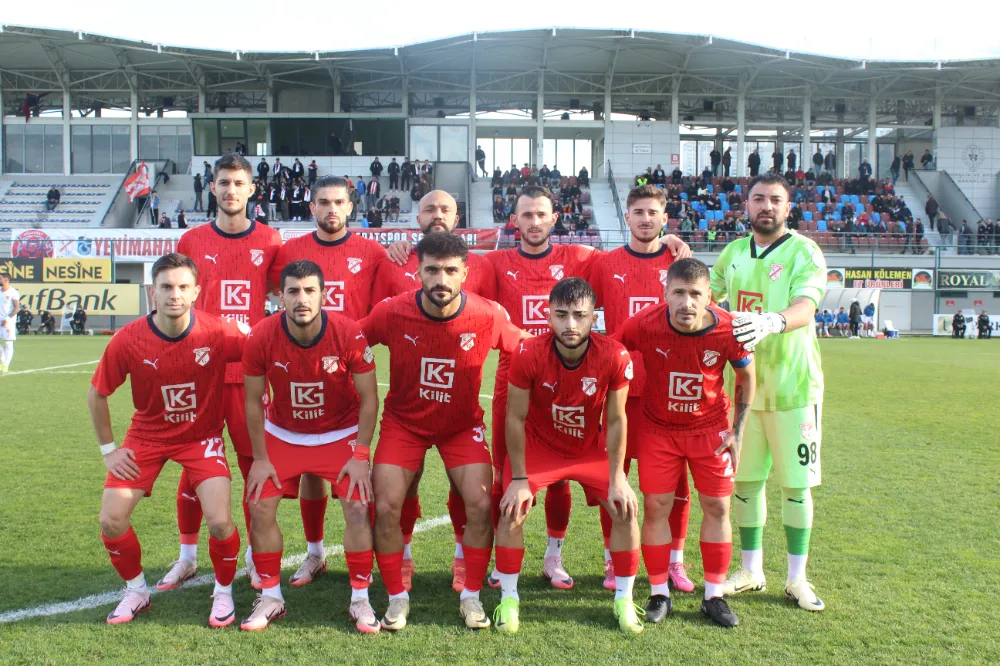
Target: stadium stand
x,y
83,202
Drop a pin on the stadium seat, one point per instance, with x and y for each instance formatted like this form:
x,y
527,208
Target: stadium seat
x,y
703,224
821,225
808,216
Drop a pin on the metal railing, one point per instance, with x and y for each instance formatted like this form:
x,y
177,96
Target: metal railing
x,y
617,200
123,209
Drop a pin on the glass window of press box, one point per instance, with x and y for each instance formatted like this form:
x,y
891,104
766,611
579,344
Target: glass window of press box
x,y
33,148
166,142
300,136
100,148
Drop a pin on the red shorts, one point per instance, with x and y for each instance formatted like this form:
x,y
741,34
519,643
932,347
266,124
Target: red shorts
x,y
545,467
234,411
201,460
291,461
662,458
398,446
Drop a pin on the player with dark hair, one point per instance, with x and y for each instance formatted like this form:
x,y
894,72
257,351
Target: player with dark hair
x,y
232,255
9,306
176,359
559,385
320,420
438,338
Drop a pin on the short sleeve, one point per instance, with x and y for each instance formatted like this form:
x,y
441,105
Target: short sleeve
x,y
626,334
585,258
234,336
622,370
596,279
112,370
522,369
360,359
388,281
184,245
486,279
277,265
737,356
375,326
809,275
254,362
506,336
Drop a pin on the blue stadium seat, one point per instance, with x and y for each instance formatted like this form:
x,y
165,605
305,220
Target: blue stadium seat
x,y
844,198
807,216
821,225
836,217
739,188
820,207
725,206
703,224
684,195
710,188
855,199
877,217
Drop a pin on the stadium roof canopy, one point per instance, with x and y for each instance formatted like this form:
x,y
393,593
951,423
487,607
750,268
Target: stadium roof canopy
x,y
640,70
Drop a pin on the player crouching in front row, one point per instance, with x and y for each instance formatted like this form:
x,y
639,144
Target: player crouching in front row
x,y
320,420
557,389
177,364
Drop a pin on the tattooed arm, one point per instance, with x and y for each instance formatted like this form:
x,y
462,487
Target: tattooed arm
x,y
743,394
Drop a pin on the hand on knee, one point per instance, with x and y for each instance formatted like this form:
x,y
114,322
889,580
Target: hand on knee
x,y
356,515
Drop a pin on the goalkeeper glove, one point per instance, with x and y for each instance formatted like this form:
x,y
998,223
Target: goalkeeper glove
x,y
750,328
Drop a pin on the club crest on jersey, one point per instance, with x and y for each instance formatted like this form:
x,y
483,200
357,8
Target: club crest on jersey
x,y
354,265
557,271
331,364
775,271
710,357
808,431
369,356
467,341
201,356
257,257
589,385
663,277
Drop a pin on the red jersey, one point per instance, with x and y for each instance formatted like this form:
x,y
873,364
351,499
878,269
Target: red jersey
x,y
436,365
312,390
567,404
626,282
394,279
232,273
349,269
176,382
689,390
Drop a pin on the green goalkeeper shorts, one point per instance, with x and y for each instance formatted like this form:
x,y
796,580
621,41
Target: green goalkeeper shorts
x,y
789,440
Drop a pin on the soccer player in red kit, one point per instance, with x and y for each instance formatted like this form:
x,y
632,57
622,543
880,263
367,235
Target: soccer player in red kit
x,y
627,280
320,420
686,342
350,264
560,384
438,338
176,358
233,255
438,213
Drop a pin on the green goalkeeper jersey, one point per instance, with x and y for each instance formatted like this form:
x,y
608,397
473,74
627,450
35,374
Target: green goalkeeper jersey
x,y
789,369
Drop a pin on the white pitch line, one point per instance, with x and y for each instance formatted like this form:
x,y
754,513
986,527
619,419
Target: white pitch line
x,y
484,396
107,598
53,367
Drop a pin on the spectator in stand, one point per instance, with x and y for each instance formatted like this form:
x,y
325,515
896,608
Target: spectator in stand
x,y
677,176
276,170
983,324
375,217
496,181
983,234
850,233
794,217
898,232
213,206
789,176
753,162
659,176
868,320
800,177
894,168
727,162
641,180
198,189
481,160
583,178
559,228
393,171
46,323
918,237
333,141
78,324
154,208
394,207
836,227
902,211
355,203
182,220
777,160
375,190
741,228
24,318
687,230
716,159
208,177
706,175
908,164
727,185
996,237
854,316
298,171
273,198
830,163
792,160
580,225
827,195
298,197
408,173
964,238
958,325
864,174
818,160
525,173
927,160
263,168
52,199
498,210
375,168
810,177
313,170
544,174
555,177
931,208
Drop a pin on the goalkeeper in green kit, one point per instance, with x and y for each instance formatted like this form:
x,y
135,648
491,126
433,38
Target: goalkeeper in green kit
x,y
774,280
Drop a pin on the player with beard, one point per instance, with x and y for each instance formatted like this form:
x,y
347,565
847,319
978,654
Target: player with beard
x,y
438,214
775,279
438,338
350,265
626,281
232,255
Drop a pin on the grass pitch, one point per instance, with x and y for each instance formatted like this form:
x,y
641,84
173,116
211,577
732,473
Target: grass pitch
x,y
904,549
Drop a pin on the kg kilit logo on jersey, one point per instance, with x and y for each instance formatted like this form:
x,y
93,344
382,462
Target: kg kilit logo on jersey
x,y
686,389
307,400
438,375
749,301
179,403
569,420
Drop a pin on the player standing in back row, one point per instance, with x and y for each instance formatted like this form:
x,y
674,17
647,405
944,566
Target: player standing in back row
x,y
232,255
774,280
9,305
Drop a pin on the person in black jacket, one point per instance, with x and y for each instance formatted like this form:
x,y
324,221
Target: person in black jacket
x,y
958,325
24,318
830,163
777,160
727,161
46,324
983,324
659,176
754,163
198,189
931,208
79,322
894,168
716,157
263,168
583,178
313,173
393,174
854,316
908,164
375,168
481,160
818,160
334,143
298,171
792,159
408,171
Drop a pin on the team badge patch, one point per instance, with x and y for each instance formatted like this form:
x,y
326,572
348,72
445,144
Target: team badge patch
x,y
775,271
201,356
331,364
369,356
629,372
663,277
590,385
710,357
808,431
354,265
257,257
557,271
467,341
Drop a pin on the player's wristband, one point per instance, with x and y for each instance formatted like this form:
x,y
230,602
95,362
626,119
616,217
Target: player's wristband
x,y
519,478
108,448
361,453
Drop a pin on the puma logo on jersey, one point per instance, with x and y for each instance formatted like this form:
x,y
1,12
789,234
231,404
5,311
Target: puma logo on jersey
x,y
513,274
359,336
283,366
152,363
212,258
660,351
551,387
412,276
413,339
620,277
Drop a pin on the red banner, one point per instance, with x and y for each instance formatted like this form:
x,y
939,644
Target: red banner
x,y
137,184
477,239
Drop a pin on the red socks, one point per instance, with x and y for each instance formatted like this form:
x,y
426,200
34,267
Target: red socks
x,y
456,510
313,517
558,502
715,558
390,565
224,554
508,559
626,562
605,525
657,560
125,553
476,562
359,568
408,517
268,568
680,513
189,512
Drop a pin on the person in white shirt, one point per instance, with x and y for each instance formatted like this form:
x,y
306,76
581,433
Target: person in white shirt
x,y
10,303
